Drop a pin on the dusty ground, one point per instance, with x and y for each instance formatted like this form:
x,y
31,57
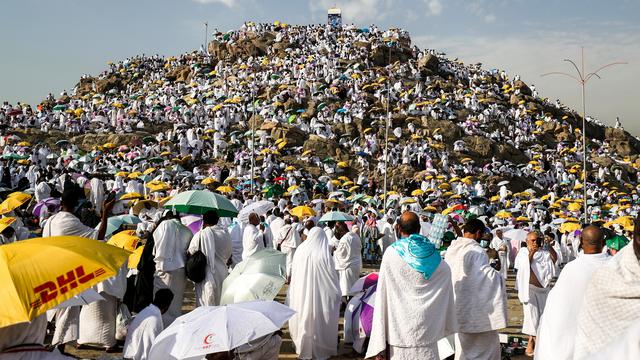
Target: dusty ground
x,y
287,350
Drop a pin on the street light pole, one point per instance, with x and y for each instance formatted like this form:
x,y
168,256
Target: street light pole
x,y
206,38
386,130
583,78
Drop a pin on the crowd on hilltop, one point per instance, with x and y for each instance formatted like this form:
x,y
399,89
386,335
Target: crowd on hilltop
x,y
206,123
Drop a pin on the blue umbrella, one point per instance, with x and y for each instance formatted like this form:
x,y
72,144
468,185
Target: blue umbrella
x,y
341,111
300,111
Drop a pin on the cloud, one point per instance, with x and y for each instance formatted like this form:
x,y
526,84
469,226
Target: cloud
x,y
490,18
434,7
227,3
534,52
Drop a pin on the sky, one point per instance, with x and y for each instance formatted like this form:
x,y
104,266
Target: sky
x,y
47,45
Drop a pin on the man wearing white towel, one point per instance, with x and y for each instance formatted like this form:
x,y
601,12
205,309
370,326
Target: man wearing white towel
x,y
480,296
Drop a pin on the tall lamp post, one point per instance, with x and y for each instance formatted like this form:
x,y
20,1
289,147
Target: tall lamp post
x,y
206,38
583,78
386,127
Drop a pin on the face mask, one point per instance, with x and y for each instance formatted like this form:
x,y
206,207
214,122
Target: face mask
x,y
484,243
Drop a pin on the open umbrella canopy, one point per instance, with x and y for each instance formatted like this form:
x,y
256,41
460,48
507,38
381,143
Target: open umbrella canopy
x,y
617,242
125,240
302,211
115,222
335,216
225,189
211,329
199,202
258,207
261,276
32,283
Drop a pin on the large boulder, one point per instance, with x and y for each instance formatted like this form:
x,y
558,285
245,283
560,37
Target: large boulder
x,y
322,147
112,82
293,135
524,89
428,63
384,55
179,74
449,131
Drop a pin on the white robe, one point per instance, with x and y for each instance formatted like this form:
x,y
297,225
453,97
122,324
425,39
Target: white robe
x,y
170,248
479,290
411,313
611,304
557,330
215,244
532,297
24,333
289,240
314,294
348,260
252,241
143,330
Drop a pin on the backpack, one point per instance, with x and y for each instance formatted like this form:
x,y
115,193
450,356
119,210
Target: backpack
x,y
196,265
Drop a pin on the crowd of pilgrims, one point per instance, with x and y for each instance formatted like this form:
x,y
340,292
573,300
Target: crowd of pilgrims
x,y
424,293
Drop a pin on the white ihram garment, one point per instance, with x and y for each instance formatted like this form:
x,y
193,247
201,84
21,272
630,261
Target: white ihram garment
x,y
314,294
480,298
215,244
532,297
348,260
557,330
611,304
252,241
170,248
142,331
411,312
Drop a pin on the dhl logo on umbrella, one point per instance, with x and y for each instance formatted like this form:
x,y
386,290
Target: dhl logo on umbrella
x,y
49,290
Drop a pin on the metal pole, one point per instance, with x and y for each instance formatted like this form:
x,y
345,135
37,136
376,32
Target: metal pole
x,y
253,141
584,146
582,79
206,38
386,134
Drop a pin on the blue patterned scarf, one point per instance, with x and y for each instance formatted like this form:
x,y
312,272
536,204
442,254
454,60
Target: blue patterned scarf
x,y
417,251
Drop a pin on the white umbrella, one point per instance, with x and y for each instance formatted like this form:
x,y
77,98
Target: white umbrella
x,y
261,276
211,329
501,183
515,237
258,207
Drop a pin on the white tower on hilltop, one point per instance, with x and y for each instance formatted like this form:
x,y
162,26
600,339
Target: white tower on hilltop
x,y
334,17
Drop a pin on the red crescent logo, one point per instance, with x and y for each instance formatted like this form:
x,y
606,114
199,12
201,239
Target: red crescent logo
x,y
207,339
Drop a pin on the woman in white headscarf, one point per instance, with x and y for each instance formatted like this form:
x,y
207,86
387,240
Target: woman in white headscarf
x,y
314,293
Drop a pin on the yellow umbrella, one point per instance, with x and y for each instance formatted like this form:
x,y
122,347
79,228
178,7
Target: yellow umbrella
x,y
33,284
135,175
158,186
522,218
24,143
10,204
624,221
134,258
335,182
343,178
347,183
20,196
282,145
290,168
302,211
354,188
208,181
574,207
122,174
109,145
444,186
342,164
292,187
131,196
225,189
430,209
503,215
306,152
6,222
569,227
149,171
126,239
417,192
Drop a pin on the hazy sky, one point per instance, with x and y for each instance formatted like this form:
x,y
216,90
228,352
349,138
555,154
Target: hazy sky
x,y
48,44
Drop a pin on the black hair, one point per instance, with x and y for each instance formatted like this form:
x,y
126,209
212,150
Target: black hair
x,y
210,218
472,226
163,298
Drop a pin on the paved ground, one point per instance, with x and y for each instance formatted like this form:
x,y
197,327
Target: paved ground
x,y
287,350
